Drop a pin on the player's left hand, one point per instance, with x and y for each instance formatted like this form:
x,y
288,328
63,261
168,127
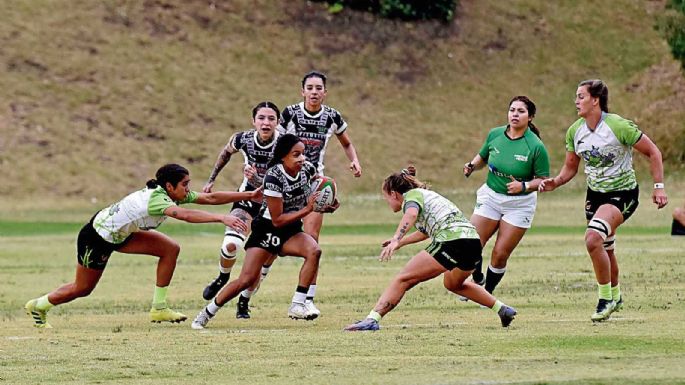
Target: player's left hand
x,y
659,197
388,250
331,208
356,168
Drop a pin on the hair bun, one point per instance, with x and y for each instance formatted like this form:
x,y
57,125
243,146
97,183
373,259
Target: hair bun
x,y
410,170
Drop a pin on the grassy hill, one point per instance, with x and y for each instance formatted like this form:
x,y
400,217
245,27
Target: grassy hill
x,y
95,95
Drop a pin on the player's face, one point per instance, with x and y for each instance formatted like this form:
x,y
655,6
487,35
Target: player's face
x,y
585,102
313,93
518,115
393,199
265,122
180,192
294,161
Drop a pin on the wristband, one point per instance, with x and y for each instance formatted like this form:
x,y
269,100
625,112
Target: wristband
x,y
470,165
659,185
523,187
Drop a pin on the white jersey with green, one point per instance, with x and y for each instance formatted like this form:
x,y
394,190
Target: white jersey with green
x,y
607,150
140,210
438,218
523,158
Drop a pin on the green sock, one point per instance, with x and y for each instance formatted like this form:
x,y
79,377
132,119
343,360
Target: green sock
x,y
604,291
498,305
159,300
43,303
616,293
375,315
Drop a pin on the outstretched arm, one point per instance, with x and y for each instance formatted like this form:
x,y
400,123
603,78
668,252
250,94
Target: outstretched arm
x,y
199,216
568,171
351,153
408,220
656,168
222,197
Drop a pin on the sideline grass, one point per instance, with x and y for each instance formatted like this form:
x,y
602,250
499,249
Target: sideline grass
x,y
431,338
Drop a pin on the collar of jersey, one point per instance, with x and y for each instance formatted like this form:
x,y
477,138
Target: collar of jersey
x,y
290,178
304,111
256,139
601,120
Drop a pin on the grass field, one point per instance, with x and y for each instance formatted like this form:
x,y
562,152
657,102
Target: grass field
x,y
430,338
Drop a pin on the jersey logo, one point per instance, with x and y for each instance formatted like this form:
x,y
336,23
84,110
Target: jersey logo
x,y
495,150
579,143
595,158
521,158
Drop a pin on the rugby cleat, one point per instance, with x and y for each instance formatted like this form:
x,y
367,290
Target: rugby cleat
x,y
242,308
604,309
506,315
314,312
299,311
39,317
166,315
213,288
201,320
368,324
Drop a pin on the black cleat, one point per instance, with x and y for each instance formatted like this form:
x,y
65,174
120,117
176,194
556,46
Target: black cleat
x,y
506,315
242,308
213,288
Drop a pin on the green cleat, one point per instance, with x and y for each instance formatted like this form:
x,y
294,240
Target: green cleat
x,y
604,309
39,316
166,315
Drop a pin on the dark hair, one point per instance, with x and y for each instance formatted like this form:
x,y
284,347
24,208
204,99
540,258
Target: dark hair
x,y
265,105
314,74
403,181
530,106
172,173
598,89
283,146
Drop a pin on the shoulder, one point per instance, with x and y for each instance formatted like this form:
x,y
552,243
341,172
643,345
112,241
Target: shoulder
x,y
497,131
617,121
575,126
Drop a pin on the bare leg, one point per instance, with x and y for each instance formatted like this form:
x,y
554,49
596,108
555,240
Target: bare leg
x,y
84,283
303,245
455,281
422,267
160,245
254,259
595,244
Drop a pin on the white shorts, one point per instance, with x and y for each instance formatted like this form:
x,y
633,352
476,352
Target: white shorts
x,y
517,210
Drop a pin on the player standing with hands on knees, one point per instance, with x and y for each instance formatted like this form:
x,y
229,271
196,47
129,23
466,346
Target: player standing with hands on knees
x,y
453,253
606,142
517,161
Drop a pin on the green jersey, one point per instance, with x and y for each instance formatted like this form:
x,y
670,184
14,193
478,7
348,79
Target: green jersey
x,y
438,218
523,158
141,210
607,150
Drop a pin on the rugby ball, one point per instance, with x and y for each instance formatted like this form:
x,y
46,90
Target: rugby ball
x,y
328,190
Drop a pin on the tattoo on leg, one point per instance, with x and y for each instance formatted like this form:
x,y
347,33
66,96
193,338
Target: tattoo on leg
x,y
386,307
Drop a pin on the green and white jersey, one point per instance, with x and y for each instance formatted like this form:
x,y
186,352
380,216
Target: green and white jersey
x,y
607,150
523,158
438,218
141,210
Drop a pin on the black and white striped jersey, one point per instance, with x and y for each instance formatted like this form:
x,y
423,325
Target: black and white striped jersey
x,y
294,190
314,130
254,153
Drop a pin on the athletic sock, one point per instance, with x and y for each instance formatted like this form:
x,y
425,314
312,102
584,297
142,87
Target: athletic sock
x,y
43,303
616,292
478,272
247,293
375,315
212,308
300,294
159,299
265,271
311,292
604,291
225,272
497,306
493,278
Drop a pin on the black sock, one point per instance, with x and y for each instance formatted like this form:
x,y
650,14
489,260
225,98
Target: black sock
x,y
478,272
492,279
224,276
677,228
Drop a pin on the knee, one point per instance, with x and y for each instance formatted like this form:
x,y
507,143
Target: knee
x,y
314,254
593,240
407,281
83,291
499,258
173,250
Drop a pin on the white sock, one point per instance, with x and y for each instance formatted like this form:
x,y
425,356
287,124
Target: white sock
x,y
311,292
299,297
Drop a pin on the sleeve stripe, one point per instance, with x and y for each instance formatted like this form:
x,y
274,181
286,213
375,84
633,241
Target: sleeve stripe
x,y
272,193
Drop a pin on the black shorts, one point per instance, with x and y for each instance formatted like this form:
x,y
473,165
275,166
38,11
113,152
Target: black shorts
x,y
626,201
250,207
91,250
462,253
265,236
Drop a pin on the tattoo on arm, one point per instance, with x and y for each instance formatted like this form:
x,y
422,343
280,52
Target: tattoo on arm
x,y
403,231
224,157
174,213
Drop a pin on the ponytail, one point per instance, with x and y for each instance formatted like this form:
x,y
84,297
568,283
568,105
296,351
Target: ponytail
x,y
169,173
403,181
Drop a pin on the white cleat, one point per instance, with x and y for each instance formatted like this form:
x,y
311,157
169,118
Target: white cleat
x,y
299,311
201,320
313,311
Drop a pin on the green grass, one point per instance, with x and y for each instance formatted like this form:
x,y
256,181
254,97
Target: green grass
x,y
430,338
